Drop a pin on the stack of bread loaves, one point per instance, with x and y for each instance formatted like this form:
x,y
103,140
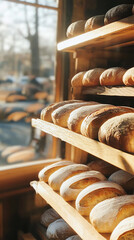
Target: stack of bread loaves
x,y
114,14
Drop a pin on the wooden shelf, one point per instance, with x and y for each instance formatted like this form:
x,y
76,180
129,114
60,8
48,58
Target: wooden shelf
x,y
116,34
109,91
114,156
80,225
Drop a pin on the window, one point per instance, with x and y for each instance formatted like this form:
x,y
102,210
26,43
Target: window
x,y
27,76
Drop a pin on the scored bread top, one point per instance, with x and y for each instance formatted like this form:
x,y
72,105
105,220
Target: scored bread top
x,y
76,81
107,214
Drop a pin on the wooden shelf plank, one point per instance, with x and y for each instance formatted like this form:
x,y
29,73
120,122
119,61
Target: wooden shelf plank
x,y
80,225
114,156
109,91
119,32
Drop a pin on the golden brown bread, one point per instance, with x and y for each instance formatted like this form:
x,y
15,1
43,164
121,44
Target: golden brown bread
x,y
23,155
77,116
96,193
124,230
75,28
118,132
91,124
112,76
94,22
47,171
47,111
76,81
70,188
128,77
49,216
12,149
58,177
118,12
92,77
60,116
107,214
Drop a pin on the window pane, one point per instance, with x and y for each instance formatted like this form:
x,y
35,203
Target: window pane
x,y
27,77
52,3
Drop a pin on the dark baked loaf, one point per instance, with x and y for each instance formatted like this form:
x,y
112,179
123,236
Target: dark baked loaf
x,y
49,216
75,28
118,12
94,22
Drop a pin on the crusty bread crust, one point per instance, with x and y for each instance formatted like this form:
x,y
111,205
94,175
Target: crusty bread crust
x,y
128,77
75,28
94,22
112,76
92,77
76,81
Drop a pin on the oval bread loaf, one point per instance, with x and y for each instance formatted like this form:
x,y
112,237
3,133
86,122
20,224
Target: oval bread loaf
x,y
58,177
91,123
49,216
74,237
112,76
92,77
60,116
107,214
47,111
12,149
23,155
128,77
124,230
118,132
75,28
47,171
102,166
118,12
59,230
70,188
96,193
94,22
125,179
77,116
76,81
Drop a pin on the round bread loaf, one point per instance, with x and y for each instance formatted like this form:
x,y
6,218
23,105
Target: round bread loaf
x,y
92,77
77,116
94,22
75,28
128,77
74,237
47,111
60,116
102,166
118,132
118,12
124,230
107,214
125,179
47,171
70,188
49,216
96,193
58,177
59,230
112,76
91,124
76,81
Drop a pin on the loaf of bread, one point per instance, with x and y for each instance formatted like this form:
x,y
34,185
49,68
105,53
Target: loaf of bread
x,y
49,216
92,77
47,171
112,76
77,116
58,177
128,77
60,116
11,149
118,132
91,124
107,214
75,28
94,22
59,230
23,156
47,111
104,167
15,97
96,193
76,81
124,230
118,12
16,116
70,188
74,237
125,179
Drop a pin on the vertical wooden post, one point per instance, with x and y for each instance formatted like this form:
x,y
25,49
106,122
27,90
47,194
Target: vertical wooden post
x,y
1,221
